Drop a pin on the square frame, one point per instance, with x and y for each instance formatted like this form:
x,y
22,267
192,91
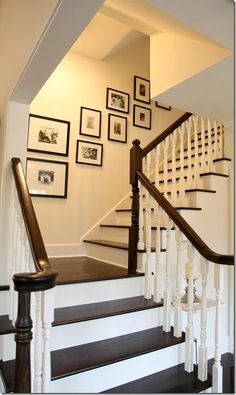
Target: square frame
x,y
163,106
117,100
47,178
89,153
142,89
142,117
90,122
117,128
48,135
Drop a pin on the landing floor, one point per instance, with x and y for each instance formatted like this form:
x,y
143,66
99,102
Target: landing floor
x,y
83,269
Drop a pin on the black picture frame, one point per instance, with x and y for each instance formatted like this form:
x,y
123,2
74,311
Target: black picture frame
x,y
163,106
90,122
142,90
48,135
47,178
117,100
117,128
89,153
142,117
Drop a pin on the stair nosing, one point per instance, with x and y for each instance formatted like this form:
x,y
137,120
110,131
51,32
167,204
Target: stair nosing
x,y
125,248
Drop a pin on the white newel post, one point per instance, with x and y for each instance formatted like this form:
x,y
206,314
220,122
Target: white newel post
x,y
47,319
167,295
148,272
179,273
189,339
202,366
217,372
140,220
157,282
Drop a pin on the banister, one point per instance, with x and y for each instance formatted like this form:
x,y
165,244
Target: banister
x,y
45,276
191,235
149,147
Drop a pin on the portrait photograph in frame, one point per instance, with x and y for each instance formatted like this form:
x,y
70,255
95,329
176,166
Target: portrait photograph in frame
x,y
117,100
48,135
163,106
142,117
141,89
117,128
90,122
89,153
47,178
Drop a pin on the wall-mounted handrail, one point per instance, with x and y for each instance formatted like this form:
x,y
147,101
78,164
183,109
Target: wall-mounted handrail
x,y
42,279
191,235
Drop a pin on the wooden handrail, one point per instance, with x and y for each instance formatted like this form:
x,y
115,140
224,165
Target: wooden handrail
x,y
191,235
164,134
45,276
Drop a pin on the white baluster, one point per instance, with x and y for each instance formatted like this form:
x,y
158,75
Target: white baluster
x,y
47,318
196,153
157,280
203,142
166,146
140,221
13,254
17,261
216,141
217,373
190,173
167,295
157,165
221,142
182,179
202,366
189,339
179,273
38,350
173,165
148,272
209,150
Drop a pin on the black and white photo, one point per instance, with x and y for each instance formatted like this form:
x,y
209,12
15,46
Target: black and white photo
x,y
117,128
141,89
117,100
90,122
89,153
142,117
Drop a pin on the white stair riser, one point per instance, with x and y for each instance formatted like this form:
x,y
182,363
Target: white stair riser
x,y
7,347
103,378
99,291
4,302
70,335
215,182
107,254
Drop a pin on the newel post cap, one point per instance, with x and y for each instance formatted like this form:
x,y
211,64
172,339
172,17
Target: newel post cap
x,y
136,142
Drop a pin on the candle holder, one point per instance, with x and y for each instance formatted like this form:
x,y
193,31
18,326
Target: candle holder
x,y
184,298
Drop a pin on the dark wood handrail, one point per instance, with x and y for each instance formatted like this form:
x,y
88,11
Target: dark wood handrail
x,y
164,134
191,235
45,276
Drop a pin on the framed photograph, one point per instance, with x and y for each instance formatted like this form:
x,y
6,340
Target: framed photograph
x,y
89,153
117,128
163,106
47,178
141,89
142,117
117,100
48,135
90,122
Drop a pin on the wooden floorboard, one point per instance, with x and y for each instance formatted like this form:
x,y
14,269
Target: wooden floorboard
x,y
84,269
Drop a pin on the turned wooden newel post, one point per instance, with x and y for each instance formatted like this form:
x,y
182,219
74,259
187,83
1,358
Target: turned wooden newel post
x,y
135,164
23,336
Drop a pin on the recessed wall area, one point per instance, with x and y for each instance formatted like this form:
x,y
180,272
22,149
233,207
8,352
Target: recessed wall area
x,y
92,190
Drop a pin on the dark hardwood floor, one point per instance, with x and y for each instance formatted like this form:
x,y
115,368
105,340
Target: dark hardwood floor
x,y
83,269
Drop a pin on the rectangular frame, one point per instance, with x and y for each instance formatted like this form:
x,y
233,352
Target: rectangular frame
x,y
48,135
117,100
90,122
89,153
117,128
142,89
142,117
163,106
47,178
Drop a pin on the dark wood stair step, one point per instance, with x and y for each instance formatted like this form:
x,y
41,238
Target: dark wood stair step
x,y
128,210
200,190
128,226
116,244
211,173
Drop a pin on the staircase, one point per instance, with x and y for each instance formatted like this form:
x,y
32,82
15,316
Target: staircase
x,y
105,336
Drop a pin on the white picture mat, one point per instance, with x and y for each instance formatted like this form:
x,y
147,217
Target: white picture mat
x,y
147,117
37,124
35,187
92,131
122,122
87,145
138,95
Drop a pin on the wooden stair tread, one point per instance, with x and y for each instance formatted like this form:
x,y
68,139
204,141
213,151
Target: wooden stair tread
x,y
128,226
71,314
211,173
173,380
177,208
116,244
199,190
200,154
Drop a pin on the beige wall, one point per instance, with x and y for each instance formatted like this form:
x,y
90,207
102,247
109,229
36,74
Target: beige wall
x,y
79,81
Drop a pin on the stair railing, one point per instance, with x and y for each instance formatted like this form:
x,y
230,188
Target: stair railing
x,y
31,293
189,248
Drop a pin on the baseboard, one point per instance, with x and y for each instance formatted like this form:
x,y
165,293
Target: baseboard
x,y
65,250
